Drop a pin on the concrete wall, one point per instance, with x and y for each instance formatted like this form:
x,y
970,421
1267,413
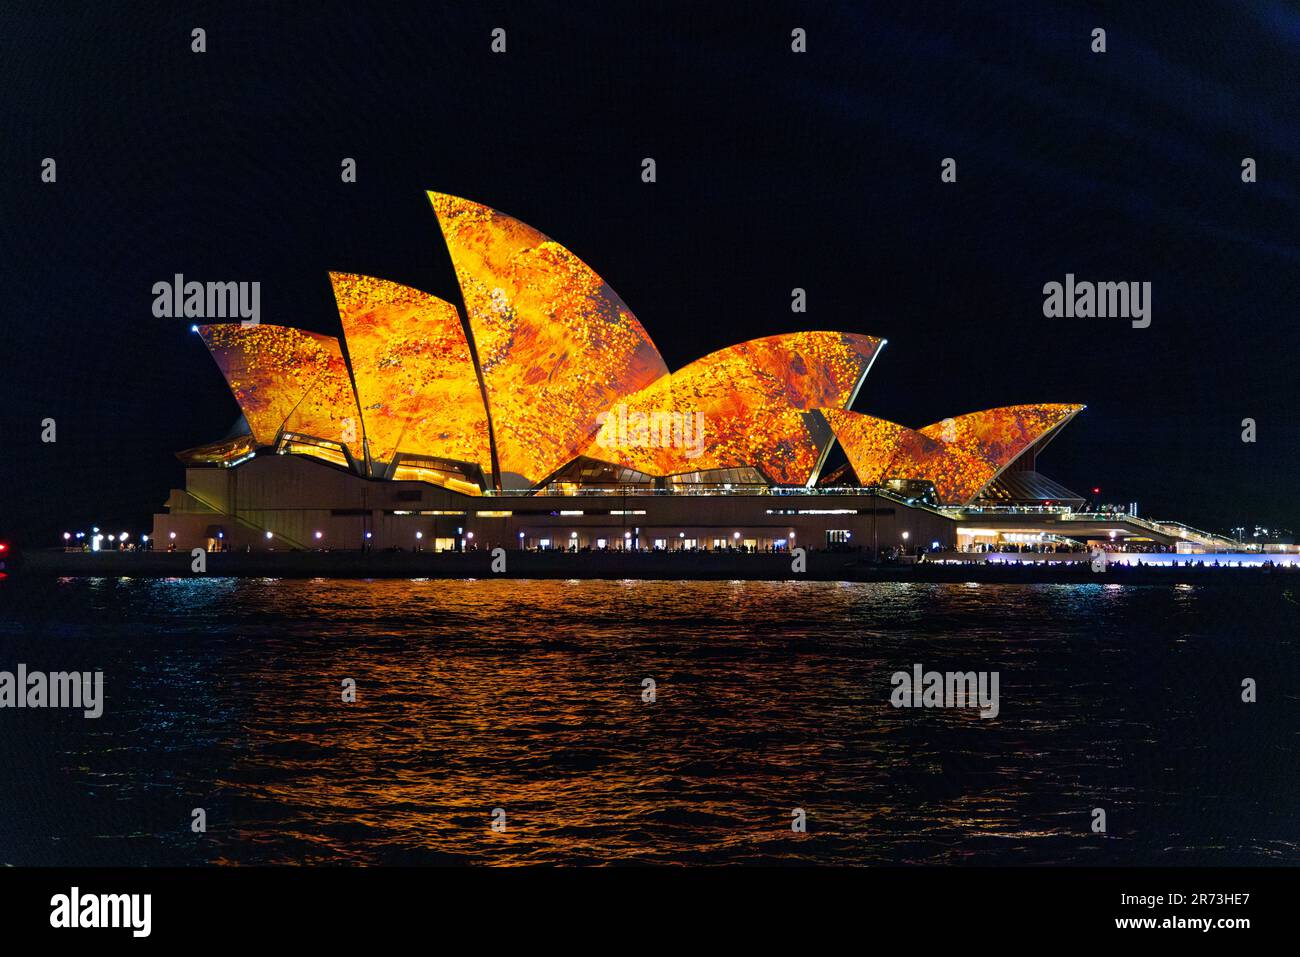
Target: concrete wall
x,y
295,497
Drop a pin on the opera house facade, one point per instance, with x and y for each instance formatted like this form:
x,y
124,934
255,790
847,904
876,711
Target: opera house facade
x,y
545,417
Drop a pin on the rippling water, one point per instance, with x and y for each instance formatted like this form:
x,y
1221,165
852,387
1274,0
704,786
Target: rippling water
x,y
225,694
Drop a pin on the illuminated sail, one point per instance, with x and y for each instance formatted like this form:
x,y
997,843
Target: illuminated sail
x,y
556,345
287,379
415,378
749,404
960,456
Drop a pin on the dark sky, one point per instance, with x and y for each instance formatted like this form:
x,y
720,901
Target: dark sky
x,y
775,170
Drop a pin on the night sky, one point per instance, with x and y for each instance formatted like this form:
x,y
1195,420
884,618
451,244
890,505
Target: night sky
x,y
775,170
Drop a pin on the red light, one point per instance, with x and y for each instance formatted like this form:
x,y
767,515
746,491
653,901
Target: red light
x,y
3,547
1096,491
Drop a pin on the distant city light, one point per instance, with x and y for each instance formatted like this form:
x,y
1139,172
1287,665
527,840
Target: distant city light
x,y
67,536
906,536
268,534
171,534
419,535
318,535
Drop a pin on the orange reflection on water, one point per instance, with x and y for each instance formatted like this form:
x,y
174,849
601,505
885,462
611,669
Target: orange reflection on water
x,y
527,696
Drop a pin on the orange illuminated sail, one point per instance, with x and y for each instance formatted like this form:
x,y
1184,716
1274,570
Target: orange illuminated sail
x,y
880,450
960,456
999,436
415,378
748,404
288,379
555,344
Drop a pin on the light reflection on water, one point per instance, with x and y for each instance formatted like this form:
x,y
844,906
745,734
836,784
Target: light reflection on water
x,y
225,694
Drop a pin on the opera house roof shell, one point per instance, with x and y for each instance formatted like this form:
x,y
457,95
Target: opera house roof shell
x,y
550,366
961,455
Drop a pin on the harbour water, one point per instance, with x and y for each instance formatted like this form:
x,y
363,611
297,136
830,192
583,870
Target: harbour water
x,y
225,694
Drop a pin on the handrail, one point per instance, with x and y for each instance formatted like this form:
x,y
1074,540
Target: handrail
x,y
1198,531
1066,514
753,490
1177,529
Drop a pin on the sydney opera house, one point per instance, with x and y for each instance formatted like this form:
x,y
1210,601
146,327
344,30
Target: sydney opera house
x,y
545,417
